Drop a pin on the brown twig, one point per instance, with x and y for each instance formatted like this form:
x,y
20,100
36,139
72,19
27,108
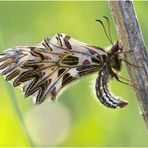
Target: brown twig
x,y
130,38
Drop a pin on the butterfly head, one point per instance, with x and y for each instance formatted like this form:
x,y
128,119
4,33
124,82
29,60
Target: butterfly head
x,y
114,59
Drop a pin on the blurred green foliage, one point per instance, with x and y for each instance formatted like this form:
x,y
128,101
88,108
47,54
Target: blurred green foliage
x,y
77,118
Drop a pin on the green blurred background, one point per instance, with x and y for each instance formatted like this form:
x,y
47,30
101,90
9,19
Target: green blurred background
x,y
77,118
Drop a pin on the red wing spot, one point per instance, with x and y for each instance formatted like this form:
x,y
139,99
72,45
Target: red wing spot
x,y
41,74
86,62
47,58
66,52
53,92
32,48
92,52
41,65
48,82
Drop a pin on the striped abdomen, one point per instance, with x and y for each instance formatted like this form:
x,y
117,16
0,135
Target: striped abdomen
x,y
103,93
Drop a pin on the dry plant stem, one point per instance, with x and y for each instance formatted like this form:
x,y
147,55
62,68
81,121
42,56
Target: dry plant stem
x,y
130,38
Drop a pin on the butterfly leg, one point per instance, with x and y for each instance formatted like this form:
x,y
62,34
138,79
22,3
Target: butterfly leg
x,y
129,51
127,83
117,77
131,64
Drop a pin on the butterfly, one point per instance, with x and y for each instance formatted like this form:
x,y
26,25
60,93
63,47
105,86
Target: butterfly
x,y
44,69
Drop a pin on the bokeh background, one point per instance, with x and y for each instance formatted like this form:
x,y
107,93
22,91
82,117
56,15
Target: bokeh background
x,y
77,118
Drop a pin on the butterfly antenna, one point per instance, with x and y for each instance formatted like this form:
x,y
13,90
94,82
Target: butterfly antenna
x,y
104,30
108,27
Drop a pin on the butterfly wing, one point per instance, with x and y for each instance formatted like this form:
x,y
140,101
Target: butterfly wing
x,y
42,70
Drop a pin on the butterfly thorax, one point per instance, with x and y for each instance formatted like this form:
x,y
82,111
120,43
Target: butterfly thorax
x,y
113,58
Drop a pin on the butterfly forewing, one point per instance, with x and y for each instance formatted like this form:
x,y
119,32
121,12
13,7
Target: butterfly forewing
x,y
44,69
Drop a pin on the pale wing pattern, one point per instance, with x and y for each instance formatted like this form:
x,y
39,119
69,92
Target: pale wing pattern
x,y
44,69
